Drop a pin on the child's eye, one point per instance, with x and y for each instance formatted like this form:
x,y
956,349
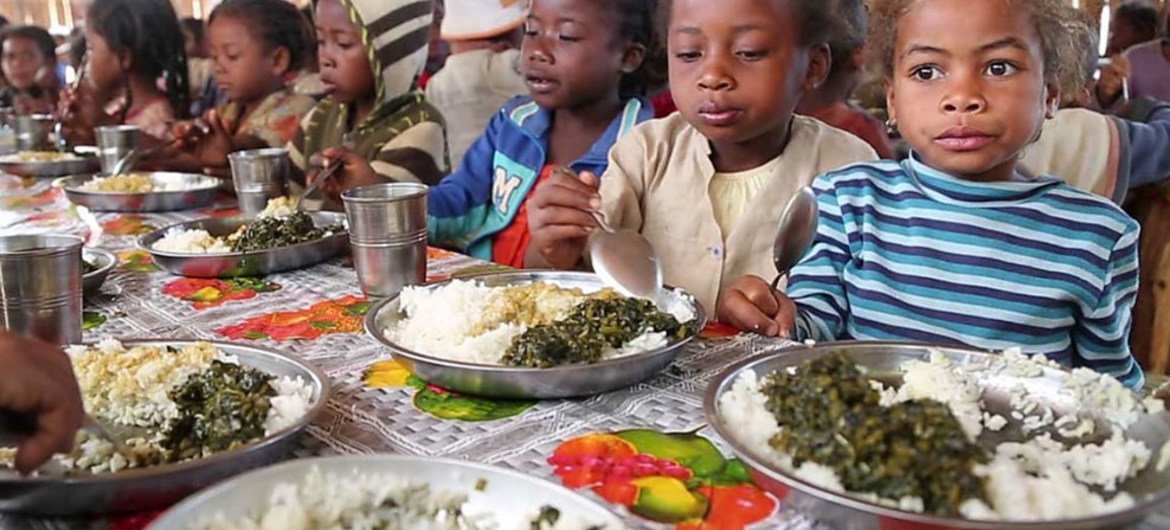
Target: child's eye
x,y
686,56
752,55
569,38
925,73
1000,69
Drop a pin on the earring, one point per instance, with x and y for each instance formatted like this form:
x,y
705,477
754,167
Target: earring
x,y
892,126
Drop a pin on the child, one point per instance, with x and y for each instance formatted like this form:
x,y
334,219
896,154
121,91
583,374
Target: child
x,y
131,46
256,46
707,184
954,245
585,62
394,134
1149,65
481,73
28,57
1133,24
830,102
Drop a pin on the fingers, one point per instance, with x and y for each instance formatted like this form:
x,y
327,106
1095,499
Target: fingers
x,y
56,429
38,381
566,191
750,305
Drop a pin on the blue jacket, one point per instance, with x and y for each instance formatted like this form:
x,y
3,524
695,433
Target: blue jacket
x,y
481,198
1145,146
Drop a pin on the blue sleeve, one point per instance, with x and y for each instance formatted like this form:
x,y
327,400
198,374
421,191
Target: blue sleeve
x,y
1101,332
457,207
817,283
1145,147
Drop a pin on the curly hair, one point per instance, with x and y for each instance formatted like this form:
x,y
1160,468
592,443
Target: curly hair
x,y
149,32
637,23
276,23
1058,24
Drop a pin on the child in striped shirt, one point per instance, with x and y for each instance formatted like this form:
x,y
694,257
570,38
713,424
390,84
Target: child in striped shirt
x,y
955,245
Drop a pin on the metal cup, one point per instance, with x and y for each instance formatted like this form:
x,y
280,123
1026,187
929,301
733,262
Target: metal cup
x,y
40,287
32,132
388,235
259,175
114,143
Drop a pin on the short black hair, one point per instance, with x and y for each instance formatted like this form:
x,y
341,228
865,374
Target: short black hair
x,y
638,24
849,30
38,35
149,32
277,23
1141,16
193,26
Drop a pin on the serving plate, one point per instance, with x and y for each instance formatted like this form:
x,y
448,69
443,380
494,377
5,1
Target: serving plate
x,y
201,192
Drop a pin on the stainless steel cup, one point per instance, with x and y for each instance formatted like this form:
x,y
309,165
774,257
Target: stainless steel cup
x,y
388,235
40,287
259,175
114,143
32,132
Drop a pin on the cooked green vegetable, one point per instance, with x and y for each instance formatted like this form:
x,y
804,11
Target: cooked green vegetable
x,y
273,232
831,415
591,328
87,267
222,408
547,518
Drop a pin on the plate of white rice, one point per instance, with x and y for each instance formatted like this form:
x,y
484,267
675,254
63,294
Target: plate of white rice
x,y
463,334
140,191
131,387
387,491
1063,449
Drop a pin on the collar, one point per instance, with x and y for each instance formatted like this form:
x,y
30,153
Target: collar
x,y
537,121
947,188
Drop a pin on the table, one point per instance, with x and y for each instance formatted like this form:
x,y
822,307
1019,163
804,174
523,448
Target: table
x,y
377,407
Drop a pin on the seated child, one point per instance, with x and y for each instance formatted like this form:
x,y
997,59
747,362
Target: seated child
x,y
392,132
131,45
481,74
583,77
28,58
829,102
707,184
955,246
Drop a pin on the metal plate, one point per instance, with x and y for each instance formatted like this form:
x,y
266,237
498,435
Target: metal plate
x,y
157,486
510,495
105,262
528,383
255,263
1150,488
56,168
156,201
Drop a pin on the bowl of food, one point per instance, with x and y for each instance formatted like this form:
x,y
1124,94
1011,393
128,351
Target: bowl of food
x,y
157,191
533,334
870,435
387,491
188,413
280,239
47,163
96,265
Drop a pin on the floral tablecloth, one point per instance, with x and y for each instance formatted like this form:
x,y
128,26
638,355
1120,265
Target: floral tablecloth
x,y
645,450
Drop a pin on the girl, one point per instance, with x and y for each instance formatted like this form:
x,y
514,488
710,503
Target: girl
x,y
256,46
29,60
955,245
136,72
585,62
706,184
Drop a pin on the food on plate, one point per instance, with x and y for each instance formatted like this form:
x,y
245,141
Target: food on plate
x,y
537,325
141,183
39,156
87,267
173,405
279,225
933,442
323,501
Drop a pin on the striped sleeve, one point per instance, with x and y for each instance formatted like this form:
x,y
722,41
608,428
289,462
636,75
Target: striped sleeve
x,y
1101,334
816,284
417,154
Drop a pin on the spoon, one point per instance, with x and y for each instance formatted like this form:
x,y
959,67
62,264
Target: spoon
x,y
333,167
132,157
794,234
14,428
58,128
623,259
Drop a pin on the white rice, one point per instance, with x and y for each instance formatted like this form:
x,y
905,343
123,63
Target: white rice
x,y
1040,479
141,183
370,501
179,241
443,321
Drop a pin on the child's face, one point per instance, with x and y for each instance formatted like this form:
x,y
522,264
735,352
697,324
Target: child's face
x,y
736,67
345,68
968,90
21,61
245,68
572,54
104,69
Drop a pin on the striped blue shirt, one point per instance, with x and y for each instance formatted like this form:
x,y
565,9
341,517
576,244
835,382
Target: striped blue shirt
x,y
906,252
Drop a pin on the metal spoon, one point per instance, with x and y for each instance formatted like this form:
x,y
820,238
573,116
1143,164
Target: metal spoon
x,y
326,173
625,260
794,234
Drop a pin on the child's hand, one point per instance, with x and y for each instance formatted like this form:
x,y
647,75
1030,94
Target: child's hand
x,y
207,139
37,382
559,218
352,171
79,112
1113,79
750,304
